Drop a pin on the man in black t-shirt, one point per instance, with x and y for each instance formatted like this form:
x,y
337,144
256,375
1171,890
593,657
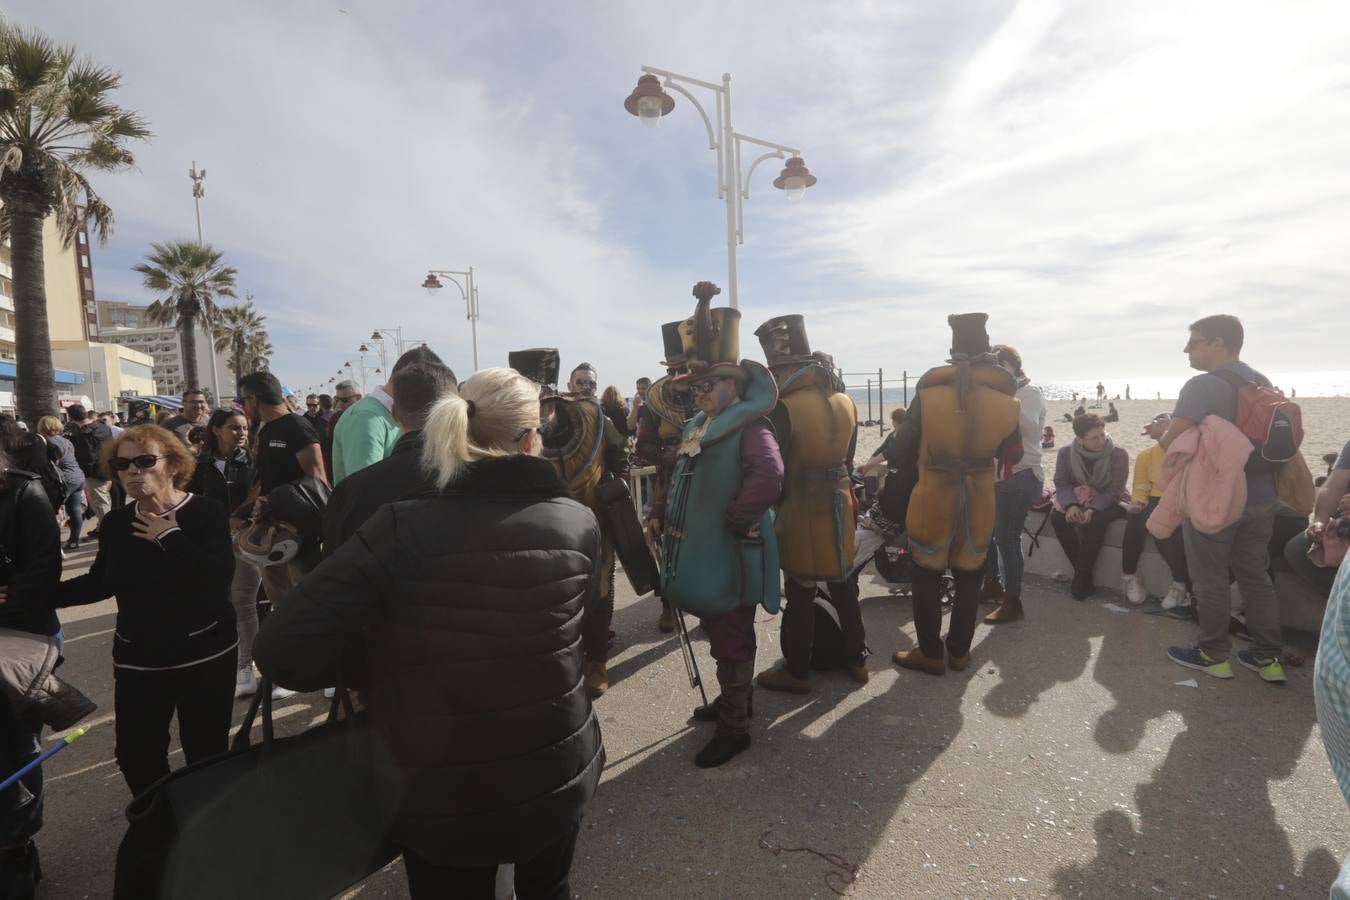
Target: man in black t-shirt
x,y
287,450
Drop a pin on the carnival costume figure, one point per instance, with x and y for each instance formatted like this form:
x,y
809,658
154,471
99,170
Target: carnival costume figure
x,y
661,423
586,450
719,551
816,425
964,415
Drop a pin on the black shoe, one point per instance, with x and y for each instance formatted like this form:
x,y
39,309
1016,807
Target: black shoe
x,y
93,534
711,712
1081,588
723,746
72,545
20,872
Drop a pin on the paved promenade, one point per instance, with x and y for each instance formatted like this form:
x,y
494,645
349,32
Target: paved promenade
x,y
1071,761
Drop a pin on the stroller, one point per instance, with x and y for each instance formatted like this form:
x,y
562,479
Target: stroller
x,y
889,554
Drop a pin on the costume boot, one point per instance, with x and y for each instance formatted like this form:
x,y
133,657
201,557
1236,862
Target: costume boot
x,y
712,712
667,621
915,659
597,678
1010,610
780,679
733,725
991,591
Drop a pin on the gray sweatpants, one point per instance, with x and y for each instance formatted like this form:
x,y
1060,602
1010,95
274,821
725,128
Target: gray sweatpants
x,y
1243,548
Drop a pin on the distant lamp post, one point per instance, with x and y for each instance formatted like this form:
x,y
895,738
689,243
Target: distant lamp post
x,y
468,290
649,102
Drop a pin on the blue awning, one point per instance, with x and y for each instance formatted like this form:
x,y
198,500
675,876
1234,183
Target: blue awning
x,y
10,370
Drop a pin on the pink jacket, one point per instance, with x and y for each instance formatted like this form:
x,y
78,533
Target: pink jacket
x,y
1203,479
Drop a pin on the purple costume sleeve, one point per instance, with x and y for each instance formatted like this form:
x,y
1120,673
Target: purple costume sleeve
x,y
761,479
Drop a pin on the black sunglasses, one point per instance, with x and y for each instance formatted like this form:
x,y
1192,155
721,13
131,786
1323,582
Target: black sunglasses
x,y
144,461
703,387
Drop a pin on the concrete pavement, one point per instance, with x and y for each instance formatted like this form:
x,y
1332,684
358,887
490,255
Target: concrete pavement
x,y
1072,760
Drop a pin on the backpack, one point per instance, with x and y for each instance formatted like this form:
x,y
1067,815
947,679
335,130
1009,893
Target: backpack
x,y
45,458
1272,423
87,444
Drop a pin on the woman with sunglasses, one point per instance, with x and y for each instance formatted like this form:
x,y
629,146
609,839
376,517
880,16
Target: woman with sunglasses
x,y
465,609
167,558
225,473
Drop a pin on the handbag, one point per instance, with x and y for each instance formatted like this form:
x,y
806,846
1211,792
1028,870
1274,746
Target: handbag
x,y
291,817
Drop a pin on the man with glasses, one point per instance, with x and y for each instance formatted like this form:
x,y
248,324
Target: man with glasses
x,y
584,381
314,414
196,411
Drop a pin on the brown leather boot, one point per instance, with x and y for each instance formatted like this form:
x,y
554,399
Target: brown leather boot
x,y
1010,610
958,663
667,621
859,673
915,659
991,591
780,679
597,678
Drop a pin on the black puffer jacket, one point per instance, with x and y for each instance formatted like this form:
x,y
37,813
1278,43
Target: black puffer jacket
x,y
229,488
470,604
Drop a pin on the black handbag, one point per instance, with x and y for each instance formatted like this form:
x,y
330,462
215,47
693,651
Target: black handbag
x,y
293,817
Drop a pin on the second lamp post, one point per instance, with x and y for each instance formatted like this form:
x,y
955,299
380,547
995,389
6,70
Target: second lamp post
x,y
469,290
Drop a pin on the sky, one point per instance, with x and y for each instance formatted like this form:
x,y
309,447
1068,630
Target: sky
x,y
1093,175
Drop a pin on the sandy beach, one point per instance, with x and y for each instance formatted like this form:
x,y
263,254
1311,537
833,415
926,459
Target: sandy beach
x,y
1326,425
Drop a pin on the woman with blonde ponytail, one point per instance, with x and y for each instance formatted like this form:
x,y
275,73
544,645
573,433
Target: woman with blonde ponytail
x,y
463,610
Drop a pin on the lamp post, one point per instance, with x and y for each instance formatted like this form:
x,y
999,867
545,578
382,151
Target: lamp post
x,y
468,290
198,192
649,102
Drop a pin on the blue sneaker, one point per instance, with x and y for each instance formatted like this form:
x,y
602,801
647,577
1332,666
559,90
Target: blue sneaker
x,y
1270,670
1195,658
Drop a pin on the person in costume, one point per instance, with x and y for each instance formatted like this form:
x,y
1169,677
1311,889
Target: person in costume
x,y
585,449
660,424
964,416
817,426
719,552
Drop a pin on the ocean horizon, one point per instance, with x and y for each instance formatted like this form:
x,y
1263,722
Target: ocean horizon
x,y
1298,384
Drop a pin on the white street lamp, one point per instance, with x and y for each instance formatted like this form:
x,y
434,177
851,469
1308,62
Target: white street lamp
x,y
468,290
649,102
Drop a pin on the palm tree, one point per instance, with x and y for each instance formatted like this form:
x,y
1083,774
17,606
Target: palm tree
x,y
241,333
57,122
190,276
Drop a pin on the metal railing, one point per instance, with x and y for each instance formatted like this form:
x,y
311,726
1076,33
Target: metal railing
x,y
879,381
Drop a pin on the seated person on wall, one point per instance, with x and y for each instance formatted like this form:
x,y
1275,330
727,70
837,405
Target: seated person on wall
x,y
1090,476
1144,499
1333,502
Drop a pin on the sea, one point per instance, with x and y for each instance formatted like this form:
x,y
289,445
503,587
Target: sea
x,y
1297,384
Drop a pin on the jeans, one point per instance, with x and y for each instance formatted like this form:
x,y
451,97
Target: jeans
x,y
542,878
1296,554
1173,548
1241,548
74,506
928,611
145,702
244,597
1083,543
1013,499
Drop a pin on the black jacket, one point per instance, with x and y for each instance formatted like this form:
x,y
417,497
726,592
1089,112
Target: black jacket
x,y
361,494
173,596
229,488
30,555
471,604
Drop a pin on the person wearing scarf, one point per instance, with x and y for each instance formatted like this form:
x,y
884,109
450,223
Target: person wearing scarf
x,y
1090,476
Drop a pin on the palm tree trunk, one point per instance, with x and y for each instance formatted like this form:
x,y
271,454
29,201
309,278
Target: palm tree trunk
x,y
35,382
187,336
238,357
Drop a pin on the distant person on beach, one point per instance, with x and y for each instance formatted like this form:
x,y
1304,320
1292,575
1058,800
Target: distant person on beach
x,y
1112,415
1101,392
1079,410
1019,485
1047,438
1090,476
1214,349
1144,498
1127,392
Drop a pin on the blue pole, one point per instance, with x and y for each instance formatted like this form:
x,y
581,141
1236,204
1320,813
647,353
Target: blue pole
x,y
46,755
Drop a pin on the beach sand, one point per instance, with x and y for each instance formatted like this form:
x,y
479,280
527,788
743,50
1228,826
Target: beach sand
x,y
1326,427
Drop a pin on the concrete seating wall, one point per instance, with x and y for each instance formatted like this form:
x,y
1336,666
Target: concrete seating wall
x,y
1301,608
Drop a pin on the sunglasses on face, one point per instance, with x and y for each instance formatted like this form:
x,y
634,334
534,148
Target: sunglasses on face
x,y
312,405
585,384
704,387
144,461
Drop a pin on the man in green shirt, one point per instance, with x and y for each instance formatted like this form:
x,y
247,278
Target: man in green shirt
x,y
367,432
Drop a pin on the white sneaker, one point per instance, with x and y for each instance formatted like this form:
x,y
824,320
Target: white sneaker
x,y
1176,596
246,683
1134,589
281,693
329,693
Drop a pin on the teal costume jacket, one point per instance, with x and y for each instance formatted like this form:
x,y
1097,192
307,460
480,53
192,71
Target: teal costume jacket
x,y
706,569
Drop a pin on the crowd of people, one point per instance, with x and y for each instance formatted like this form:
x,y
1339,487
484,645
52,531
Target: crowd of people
x,y
450,550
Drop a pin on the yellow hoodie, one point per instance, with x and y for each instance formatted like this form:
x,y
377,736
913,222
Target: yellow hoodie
x,y
1148,467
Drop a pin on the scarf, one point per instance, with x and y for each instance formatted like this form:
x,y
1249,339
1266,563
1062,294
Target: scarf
x,y
1079,457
